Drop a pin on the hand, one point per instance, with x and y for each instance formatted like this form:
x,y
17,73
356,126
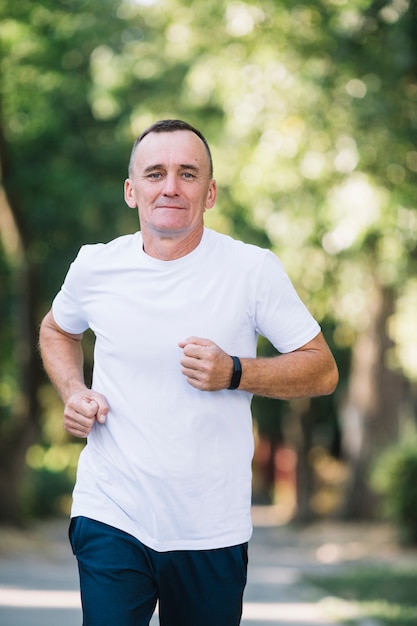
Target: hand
x,y
82,409
206,366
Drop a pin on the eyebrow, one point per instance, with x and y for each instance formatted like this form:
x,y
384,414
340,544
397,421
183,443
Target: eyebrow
x,y
161,166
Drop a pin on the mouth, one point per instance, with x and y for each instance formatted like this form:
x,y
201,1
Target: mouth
x,y
170,207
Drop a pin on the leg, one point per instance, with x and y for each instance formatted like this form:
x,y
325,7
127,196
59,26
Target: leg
x,y
116,575
202,587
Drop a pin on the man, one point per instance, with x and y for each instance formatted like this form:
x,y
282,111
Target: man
x,y
161,506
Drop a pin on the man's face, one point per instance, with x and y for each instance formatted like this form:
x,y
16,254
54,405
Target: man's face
x,y
170,184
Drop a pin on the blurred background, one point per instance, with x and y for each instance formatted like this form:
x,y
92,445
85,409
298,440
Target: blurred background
x,y
311,112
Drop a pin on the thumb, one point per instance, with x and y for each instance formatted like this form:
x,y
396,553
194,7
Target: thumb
x,y
101,414
100,408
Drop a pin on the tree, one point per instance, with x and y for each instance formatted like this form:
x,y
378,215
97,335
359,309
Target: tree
x,y
46,163
312,120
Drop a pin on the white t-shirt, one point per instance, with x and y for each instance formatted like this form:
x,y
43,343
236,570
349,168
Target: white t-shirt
x,y
172,464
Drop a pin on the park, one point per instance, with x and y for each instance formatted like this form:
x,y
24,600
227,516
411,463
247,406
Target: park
x,y
311,113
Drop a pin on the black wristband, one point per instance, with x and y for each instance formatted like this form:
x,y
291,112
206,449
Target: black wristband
x,y
237,373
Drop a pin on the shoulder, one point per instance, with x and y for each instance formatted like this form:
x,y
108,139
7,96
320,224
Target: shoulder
x,y
98,252
226,244
245,258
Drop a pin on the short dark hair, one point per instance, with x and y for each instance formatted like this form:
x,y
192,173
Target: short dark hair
x,y
170,126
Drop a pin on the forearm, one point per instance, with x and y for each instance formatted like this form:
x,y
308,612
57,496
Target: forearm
x,y
303,373
309,371
62,357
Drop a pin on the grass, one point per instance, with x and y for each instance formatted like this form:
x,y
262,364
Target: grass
x,y
388,595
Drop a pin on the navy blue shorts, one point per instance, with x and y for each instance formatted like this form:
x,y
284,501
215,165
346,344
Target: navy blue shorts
x,y
121,580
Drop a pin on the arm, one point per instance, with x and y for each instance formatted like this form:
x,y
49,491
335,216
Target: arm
x,y
62,357
309,371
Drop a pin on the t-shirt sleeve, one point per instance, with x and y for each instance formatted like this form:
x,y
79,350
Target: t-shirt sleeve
x,y
67,307
281,316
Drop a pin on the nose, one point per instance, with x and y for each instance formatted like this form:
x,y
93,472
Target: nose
x,y
171,185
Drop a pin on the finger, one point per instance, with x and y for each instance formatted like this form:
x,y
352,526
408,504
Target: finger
x,y
82,406
193,382
190,361
90,408
78,429
197,341
197,364
192,372
95,406
199,352
102,408
77,432
78,420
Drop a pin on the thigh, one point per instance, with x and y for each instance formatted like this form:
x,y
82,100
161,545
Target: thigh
x,y
203,587
116,576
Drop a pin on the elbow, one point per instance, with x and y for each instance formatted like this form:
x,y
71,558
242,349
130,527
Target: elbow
x,y
330,380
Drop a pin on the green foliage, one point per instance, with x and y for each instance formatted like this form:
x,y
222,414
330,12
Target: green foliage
x,y
311,111
387,594
394,477
46,493
313,122
49,478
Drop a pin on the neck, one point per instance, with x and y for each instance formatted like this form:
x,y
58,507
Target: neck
x,y
168,248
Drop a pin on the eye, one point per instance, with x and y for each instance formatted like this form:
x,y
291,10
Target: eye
x,y
154,175
188,175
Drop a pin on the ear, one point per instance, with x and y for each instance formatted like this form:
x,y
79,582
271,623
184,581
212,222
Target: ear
x,y
129,194
212,194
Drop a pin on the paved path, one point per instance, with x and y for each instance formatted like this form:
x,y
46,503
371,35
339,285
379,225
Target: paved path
x,y
39,581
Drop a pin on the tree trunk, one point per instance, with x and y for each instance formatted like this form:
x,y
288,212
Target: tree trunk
x,y
370,415
19,424
299,435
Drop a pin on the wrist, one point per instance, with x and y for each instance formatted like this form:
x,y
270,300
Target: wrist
x,y
236,374
71,388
